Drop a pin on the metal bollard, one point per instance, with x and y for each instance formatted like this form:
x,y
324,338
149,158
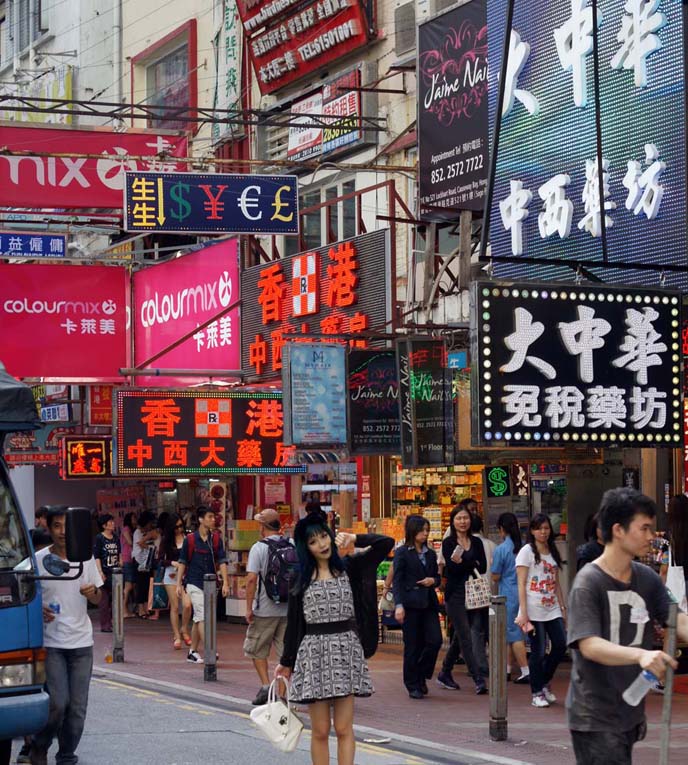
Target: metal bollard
x,y
670,648
498,698
117,615
210,627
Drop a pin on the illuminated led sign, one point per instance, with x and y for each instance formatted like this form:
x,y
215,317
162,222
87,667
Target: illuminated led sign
x,y
85,456
565,365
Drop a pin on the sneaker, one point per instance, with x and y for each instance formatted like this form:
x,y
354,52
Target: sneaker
x,y
547,693
416,693
262,696
24,756
445,680
522,680
539,700
480,688
194,657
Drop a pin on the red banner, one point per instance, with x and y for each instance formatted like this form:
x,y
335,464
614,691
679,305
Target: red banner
x,y
74,182
63,322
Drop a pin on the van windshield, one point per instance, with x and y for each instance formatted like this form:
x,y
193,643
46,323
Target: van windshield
x,y
14,546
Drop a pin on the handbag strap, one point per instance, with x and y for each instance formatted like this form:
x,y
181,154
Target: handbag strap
x,y
476,573
272,694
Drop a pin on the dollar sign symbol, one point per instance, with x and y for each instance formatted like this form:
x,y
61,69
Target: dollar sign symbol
x,y
183,206
497,482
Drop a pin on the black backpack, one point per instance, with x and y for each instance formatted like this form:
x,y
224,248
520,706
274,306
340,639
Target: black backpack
x,y
281,569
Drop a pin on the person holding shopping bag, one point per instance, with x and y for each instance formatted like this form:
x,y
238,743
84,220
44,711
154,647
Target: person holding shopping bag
x,y
332,628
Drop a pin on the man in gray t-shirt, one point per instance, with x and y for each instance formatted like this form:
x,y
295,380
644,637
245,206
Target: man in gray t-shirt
x,y
267,620
613,606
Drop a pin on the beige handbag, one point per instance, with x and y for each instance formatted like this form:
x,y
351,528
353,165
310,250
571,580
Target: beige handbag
x,y
478,594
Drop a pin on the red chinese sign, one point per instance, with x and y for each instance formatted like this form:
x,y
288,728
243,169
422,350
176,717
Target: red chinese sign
x,y
294,43
335,292
85,457
172,432
74,182
100,405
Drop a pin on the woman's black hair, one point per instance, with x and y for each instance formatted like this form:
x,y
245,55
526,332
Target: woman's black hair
x,y
414,525
508,522
535,523
103,519
678,529
312,525
168,543
462,507
129,521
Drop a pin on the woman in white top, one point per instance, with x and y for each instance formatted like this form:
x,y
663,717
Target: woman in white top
x,y
541,606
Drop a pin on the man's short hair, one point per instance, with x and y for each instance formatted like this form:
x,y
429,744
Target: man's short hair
x,y
202,511
105,518
621,506
54,511
145,518
41,512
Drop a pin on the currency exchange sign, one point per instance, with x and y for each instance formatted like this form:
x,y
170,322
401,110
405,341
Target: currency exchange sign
x,y
210,203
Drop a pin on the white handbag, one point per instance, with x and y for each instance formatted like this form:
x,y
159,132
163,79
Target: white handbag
x,y
276,721
676,582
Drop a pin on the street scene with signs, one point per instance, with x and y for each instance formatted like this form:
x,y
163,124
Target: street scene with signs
x,y
342,382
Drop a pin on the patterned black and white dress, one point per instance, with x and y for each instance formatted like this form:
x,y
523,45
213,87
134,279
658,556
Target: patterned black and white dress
x,y
329,666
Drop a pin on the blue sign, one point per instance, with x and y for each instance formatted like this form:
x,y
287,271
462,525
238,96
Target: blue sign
x,y
547,187
210,203
22,245
457,360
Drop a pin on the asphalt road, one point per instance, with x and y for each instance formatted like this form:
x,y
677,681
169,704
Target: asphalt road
x,y
127,725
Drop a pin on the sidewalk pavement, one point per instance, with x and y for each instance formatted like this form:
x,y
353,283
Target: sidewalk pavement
x,y
456,720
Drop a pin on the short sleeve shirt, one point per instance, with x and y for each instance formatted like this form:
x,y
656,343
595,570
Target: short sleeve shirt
x,y
601,606
504,564
257,564
541,585
71,627
107,551
205,559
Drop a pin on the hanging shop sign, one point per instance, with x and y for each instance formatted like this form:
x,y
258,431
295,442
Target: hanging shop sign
x,y
57,82
73,182
562,365
339,290
314,385
85,457
19,244
38,447
178,296
547,202
373,403
174,432
56,413
76,314
426,403
453,111
211,203
302,40
99,405
228,44
497,481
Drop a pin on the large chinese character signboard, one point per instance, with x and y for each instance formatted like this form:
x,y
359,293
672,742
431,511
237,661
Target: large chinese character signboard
x,y
338,290
175,298
453,111
201,203
85,456
562,365
314,384
172,432
66,322
548,185
426,403
14,244
289,40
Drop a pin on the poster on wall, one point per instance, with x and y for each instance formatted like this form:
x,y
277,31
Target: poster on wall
x,y
453,111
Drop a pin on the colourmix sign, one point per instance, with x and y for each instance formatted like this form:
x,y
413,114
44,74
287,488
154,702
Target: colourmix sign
x,y
563,365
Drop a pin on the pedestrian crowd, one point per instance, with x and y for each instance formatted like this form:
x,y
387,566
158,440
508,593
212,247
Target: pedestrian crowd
x,y
312,600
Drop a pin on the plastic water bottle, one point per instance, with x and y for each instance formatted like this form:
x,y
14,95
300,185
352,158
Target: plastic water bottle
x,y
639,688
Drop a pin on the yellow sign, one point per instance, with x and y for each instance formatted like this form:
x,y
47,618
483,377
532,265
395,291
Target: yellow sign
x,y
56,84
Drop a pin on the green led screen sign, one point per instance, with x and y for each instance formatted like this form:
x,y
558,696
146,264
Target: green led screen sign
x,y
497,482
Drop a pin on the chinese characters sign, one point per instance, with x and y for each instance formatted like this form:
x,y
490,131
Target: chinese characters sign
x,y
228,42
211,203
314,384
292,45
76,314
74,182
337,290
373,403
173,298
85,456
15,244
99,405
576,365
453,110
172,432
549,202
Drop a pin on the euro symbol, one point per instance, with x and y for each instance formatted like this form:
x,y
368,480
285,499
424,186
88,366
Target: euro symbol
x,y
278,204
246,202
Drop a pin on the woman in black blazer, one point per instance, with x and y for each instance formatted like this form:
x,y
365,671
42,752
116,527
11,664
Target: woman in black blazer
x,y
415,578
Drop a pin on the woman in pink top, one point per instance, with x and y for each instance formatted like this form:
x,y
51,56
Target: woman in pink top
x,y
126,541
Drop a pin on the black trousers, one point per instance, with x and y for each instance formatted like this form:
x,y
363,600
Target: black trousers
x,y
422,643
606,747
142,586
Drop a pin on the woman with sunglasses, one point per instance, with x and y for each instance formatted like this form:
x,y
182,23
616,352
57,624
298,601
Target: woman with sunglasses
x,y
170,547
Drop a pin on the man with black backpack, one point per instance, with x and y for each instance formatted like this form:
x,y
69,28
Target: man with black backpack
x,y
272,563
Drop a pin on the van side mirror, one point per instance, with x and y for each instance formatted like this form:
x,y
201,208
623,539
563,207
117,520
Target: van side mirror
x,y
78,532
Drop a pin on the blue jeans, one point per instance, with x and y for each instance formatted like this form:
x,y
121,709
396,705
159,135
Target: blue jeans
x,y
542,667
68,675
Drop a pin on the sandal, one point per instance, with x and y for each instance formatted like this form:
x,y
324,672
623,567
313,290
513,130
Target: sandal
x,y
177,643
186,638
